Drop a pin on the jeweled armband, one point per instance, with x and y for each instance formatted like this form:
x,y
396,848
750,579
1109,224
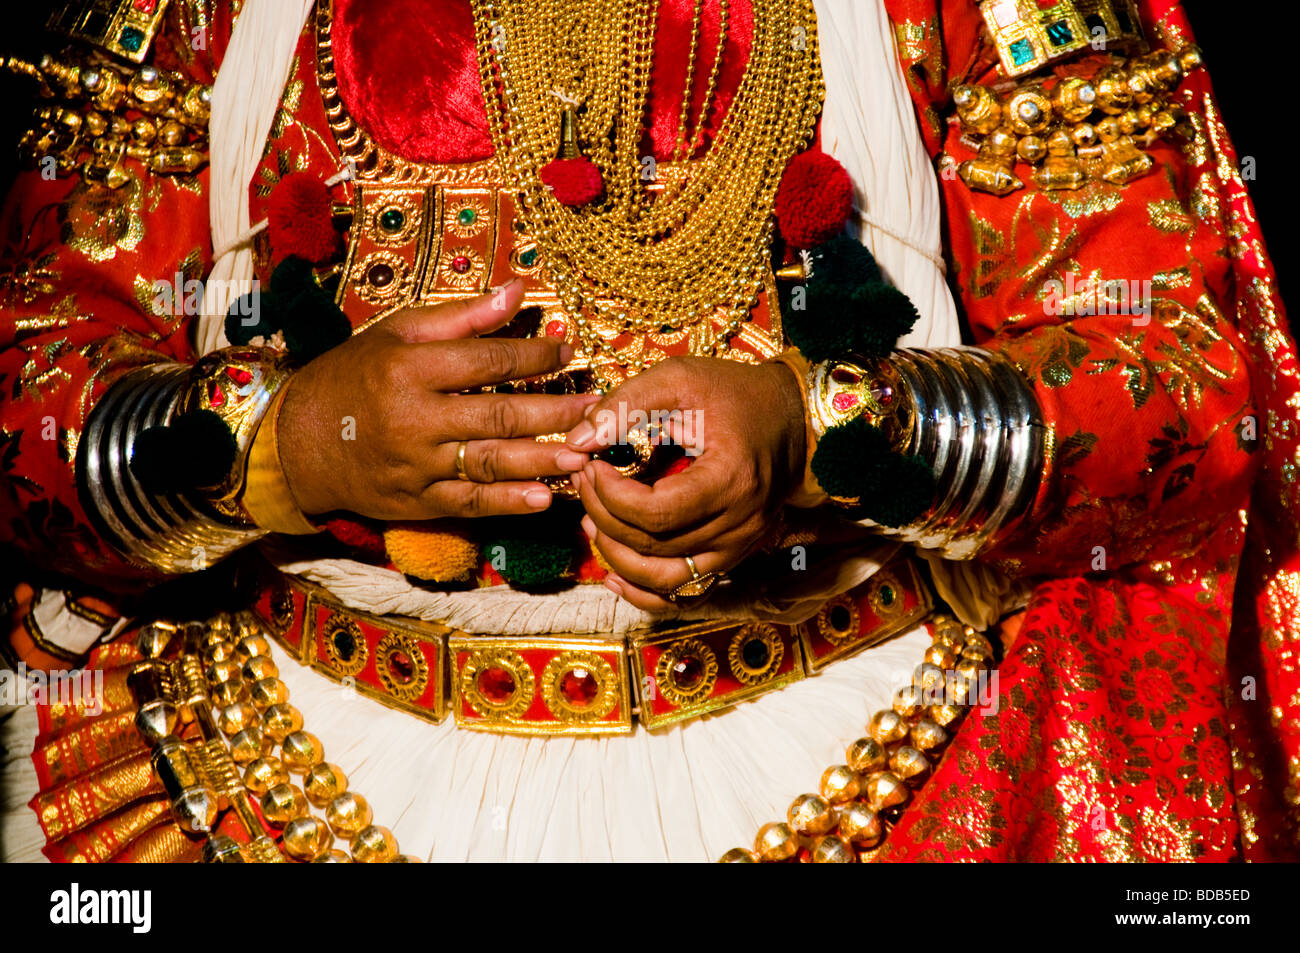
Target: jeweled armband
x,y
163,459
956,430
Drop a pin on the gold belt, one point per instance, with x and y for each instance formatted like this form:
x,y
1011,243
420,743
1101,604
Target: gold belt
x,y
566,684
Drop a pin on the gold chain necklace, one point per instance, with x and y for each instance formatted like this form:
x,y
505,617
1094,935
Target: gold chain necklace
x,y
634,262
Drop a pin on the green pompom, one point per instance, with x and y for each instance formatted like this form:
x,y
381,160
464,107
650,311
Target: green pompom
x,y
855,461
843,262
535,551
885,314
250,316
196,450
306,312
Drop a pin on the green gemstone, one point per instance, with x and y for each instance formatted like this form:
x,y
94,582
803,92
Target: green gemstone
x,y
392,220
528,258
886,595
467,216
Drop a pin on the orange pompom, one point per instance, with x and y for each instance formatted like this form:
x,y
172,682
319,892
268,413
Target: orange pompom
x,y
300,219
436,551
574,181
815,200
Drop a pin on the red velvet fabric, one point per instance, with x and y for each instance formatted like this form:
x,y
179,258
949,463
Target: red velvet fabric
x,y
408,73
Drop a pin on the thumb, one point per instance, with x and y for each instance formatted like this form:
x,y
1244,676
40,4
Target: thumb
x,y
455,320
628,406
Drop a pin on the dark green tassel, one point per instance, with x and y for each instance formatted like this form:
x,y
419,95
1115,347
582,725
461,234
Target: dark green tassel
x,y
854,461
196,450
239,329
306,312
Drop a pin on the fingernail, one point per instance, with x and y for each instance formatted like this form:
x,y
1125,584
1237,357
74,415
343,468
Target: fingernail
x,y
589,527
538,499
566,353
575,481
582,434
612,584
568,460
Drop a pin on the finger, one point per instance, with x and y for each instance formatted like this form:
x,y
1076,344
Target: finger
x,y
498,416
658,389
458,319
462,365
674,505
641,598
463,499
667,544
493,461
653,573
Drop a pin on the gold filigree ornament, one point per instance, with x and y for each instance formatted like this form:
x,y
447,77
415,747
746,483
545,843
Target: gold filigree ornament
x,y
340,631
497,684
839,620
401,666
462,267
885,595
687,651
579,687
381,276
466,216
755,653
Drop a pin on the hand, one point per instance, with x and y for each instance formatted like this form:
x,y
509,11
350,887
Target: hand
x,y
373,426
748,430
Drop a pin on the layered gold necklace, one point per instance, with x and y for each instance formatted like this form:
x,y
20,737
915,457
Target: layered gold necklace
x,y
641,260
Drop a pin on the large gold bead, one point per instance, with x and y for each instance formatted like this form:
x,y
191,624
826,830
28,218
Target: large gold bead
x,y
220,672
909,764
263,774
283,803
945,715
235,718
300,751
810,815
861,826
977,642
928,736
866,755
738,855
333,857
152,639
195,809
907,701
833,850
348,814
374,845
840,784
227,693
249,744
251,646
323,783
941,656
776,842
887,727
884,790
306,838
268,692
280,721
259,667
929,679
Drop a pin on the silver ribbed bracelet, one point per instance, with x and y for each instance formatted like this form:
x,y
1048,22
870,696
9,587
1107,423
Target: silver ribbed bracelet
x,y
965,411
170,532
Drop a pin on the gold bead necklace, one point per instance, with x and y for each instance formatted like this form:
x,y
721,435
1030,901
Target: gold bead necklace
x,y
636,262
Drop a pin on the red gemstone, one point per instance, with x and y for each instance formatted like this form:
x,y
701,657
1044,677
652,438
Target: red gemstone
x,y
579,687
843,375
460,264
556,329
402,666
843,402
216,396
239,375
496,685
146,6
687,672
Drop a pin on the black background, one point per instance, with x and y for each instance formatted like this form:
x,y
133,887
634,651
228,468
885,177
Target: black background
x,y
1246,51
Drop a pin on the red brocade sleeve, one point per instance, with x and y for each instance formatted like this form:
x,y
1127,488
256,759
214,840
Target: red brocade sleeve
x,y
1149,706
78,271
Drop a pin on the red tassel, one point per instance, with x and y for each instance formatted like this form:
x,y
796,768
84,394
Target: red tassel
x,y
360,536
300,219
574,181
814,201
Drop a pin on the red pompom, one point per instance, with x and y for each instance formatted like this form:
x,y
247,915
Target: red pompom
x,y
363,537
300,214
574,181
814,201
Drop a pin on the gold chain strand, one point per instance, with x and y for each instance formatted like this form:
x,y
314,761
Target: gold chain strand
x,y
679,144
712,86
695,258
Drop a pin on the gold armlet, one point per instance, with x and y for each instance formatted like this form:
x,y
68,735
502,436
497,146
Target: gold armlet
x,y
808,494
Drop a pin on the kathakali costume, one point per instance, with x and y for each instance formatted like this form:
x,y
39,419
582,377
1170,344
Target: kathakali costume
x,y
1037,599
